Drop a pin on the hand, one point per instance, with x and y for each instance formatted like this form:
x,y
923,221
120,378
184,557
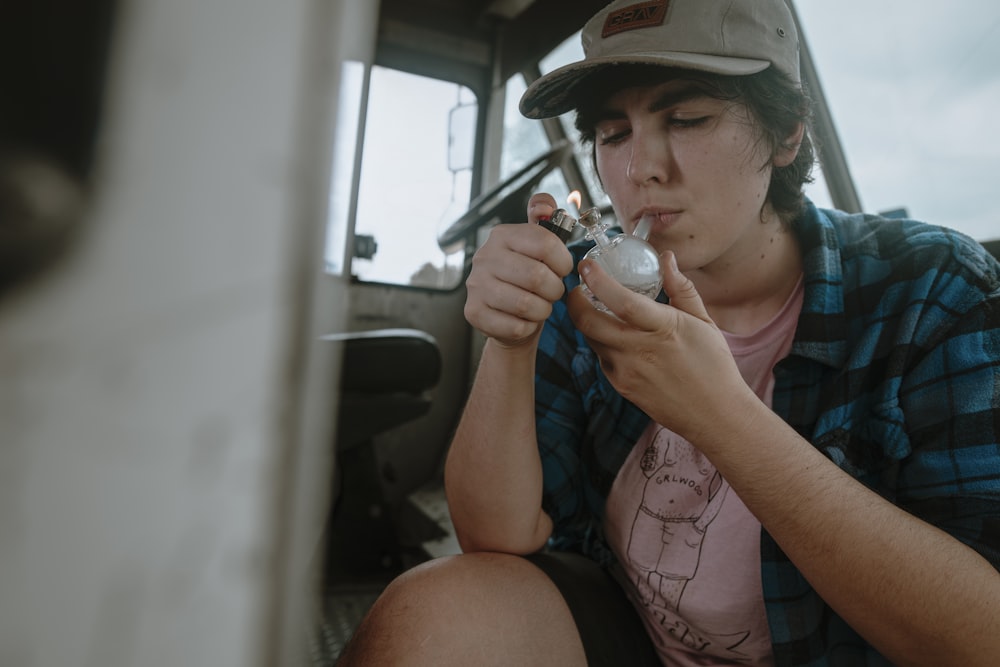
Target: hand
x,y
516,276
670,360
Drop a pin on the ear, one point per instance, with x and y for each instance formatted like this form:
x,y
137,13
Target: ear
x,y
789,148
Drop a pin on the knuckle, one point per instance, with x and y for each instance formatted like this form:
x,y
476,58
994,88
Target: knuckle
x,y
629,308
688,289
522,304
521,330
538,277
626,379
584,322
470,311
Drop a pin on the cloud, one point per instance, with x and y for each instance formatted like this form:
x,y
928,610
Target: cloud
x,y
913,88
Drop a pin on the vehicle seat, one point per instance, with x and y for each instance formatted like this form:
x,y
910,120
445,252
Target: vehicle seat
x,y
385,378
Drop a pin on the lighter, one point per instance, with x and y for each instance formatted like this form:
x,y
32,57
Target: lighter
x,y
559,223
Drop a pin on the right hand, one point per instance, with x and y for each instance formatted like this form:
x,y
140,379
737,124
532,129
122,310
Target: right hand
x,y
670,360
516,277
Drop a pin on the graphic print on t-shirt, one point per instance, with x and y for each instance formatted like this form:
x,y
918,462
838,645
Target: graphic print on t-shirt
x,y
682,495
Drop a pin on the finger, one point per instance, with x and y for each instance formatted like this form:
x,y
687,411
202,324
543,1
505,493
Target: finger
x,y
503,327
537,243
533,277
682,292
519,303
519,260
503,310
595,325
634,309
541,204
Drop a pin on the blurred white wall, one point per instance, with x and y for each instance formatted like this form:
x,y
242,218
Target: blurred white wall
x,y
164,416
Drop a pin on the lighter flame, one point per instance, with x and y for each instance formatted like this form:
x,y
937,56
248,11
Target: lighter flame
x,y
575,199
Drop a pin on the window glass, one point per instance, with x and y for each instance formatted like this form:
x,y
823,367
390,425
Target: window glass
x,y
571,50
525,139
415,179
912,94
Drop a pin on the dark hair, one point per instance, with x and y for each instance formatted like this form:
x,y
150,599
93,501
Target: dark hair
x,y
775,103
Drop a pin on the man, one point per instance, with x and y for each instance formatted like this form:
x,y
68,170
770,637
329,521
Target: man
x,y
790,459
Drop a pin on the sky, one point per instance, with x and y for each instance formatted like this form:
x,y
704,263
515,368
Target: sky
x,y
913,87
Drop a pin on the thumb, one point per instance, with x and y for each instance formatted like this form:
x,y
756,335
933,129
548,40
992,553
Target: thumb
x,y
541,205
682,292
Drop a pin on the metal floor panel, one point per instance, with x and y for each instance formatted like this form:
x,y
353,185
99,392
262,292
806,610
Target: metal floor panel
x,y
424,531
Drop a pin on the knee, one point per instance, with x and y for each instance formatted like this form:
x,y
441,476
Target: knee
x,y
417,604
432,609
421,594
433,592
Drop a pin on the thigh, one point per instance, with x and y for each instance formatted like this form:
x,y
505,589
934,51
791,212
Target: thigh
x,y
609,627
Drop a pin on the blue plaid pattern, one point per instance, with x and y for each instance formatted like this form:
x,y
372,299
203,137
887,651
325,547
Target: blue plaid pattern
x,y
893,374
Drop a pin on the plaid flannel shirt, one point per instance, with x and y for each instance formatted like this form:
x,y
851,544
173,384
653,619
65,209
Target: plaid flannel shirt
x,y
893,374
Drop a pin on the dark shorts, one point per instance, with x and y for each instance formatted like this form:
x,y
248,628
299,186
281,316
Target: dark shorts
x,y
611,630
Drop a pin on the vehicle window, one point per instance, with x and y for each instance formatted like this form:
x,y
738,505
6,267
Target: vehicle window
x,y
415,179
913,94
570,51
524,139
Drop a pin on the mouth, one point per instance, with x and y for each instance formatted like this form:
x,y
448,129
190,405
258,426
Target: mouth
x,y
646,218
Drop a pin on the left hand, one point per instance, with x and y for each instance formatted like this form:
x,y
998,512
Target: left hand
x,y
672,361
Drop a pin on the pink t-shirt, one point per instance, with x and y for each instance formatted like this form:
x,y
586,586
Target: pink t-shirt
x,y
687,547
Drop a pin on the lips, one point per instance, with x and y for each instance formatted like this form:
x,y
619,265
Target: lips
x,y
650,216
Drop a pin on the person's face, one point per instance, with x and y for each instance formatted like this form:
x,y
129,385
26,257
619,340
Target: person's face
x,y
690,162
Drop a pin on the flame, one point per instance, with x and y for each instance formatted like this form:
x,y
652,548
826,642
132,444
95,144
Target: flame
x,y
575,199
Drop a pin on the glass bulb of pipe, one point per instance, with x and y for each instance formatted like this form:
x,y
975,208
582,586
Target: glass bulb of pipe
x,y
628,258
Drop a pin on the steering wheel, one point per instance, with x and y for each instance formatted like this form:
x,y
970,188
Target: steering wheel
x,y
506,198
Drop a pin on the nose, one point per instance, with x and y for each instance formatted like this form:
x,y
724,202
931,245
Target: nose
x,y
649,160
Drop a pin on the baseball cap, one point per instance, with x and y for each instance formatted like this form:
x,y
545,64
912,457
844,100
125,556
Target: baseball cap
x,y
736,37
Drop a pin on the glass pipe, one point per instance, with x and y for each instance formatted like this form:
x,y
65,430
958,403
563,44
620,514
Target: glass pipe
x,y
628,258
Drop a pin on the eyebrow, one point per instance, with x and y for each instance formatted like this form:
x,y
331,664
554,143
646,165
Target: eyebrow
x,y
673,97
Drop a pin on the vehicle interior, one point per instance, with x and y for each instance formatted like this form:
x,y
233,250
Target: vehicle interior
x,y
232,265
409,357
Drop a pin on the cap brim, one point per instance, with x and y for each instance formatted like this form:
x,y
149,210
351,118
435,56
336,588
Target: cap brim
x,y
560,90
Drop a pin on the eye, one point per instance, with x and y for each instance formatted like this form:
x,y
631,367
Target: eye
x,y
687,122
611,133
612,138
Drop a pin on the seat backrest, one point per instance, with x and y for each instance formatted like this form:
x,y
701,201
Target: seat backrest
x,y
385,375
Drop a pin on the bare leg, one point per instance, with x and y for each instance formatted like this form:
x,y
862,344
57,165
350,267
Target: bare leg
x,y
473,609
